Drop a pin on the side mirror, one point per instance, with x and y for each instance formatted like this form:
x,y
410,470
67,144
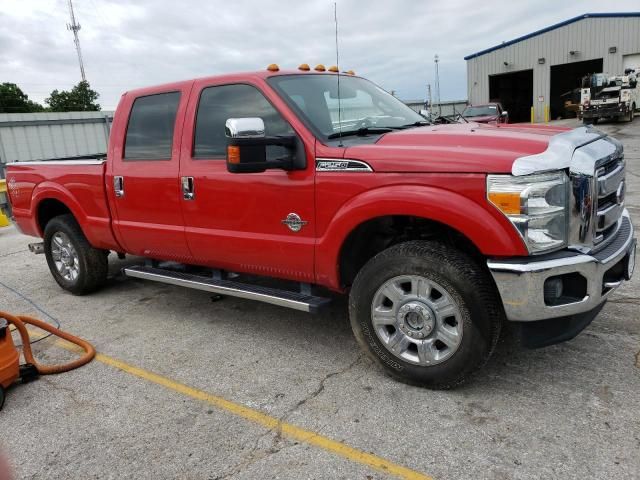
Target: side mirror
x,y
247,147
425,114
252,127
505,113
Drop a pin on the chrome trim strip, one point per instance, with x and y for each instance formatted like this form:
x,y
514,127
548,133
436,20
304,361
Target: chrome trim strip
x,y
609,216
57,162
341,165
206,287
609,183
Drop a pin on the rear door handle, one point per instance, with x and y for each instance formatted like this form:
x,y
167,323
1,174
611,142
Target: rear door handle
x,y
118,186
188,188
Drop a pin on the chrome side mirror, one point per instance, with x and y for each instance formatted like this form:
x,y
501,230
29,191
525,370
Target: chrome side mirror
x,y
505,113
249,127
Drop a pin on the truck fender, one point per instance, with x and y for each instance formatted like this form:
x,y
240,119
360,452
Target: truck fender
x,y
484,226
96,229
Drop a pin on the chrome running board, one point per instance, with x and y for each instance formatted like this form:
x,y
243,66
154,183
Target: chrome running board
x,y
274,296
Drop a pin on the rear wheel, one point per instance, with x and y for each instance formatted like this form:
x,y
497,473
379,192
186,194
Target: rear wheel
x,y
74,263
426,312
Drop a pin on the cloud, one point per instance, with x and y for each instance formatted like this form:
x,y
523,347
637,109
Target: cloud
x,y
132,43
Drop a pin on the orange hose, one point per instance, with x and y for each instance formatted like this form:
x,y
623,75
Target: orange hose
x,y
20,322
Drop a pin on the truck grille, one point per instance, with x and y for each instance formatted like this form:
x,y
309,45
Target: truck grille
x,y
598,189
610,187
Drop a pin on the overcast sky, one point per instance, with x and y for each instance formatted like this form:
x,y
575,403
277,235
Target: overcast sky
x,y
133,43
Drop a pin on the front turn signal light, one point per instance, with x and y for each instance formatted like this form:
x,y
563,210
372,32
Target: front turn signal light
x,y
233,154
507,202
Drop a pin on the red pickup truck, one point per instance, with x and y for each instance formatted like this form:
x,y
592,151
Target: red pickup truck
x,y
438,234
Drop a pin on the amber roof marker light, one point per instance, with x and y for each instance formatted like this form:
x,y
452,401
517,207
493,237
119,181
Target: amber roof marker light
x,y
304,67
333,69
320,68
273,67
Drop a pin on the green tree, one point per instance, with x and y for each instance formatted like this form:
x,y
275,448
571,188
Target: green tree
x,y
80,98
14,100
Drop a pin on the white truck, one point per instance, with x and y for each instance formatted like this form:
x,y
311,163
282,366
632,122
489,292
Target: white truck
x,y
610,96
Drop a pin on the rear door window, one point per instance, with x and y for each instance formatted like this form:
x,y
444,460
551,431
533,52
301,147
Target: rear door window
x,y
151,125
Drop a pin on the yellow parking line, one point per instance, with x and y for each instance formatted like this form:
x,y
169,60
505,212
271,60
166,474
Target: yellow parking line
x,y
255,416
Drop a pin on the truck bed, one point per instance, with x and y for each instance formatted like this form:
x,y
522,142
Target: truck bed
x,y
78,183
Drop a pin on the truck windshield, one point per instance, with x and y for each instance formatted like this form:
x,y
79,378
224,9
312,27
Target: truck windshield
x,y
364,107
480,111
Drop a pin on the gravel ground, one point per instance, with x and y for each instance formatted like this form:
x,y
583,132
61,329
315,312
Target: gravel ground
x,y
567,411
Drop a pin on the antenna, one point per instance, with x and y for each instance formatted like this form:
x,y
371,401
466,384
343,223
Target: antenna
x,y
436,59
75,28
335,17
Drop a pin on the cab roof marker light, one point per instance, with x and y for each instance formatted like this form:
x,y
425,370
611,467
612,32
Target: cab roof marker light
x,y
320,68
333,69
304,67
273,67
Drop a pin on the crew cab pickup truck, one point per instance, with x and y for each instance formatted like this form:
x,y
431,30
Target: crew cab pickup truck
x,y
438,234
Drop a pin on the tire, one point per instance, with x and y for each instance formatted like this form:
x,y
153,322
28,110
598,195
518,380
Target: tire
x,y
632,112
77,267
459,280
2,397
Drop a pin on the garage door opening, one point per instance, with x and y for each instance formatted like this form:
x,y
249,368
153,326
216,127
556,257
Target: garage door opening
x,y
515,92
565,86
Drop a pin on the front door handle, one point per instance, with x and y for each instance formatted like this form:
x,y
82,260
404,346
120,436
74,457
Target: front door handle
x,y
188,188
118,186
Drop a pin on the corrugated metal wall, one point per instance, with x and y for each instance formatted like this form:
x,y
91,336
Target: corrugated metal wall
x,y
591,37
37,136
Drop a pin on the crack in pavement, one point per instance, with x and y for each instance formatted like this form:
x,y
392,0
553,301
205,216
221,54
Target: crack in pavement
x,y
256,453
12,253
627,300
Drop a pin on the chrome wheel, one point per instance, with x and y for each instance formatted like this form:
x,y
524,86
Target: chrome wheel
x,y
417,320
65,257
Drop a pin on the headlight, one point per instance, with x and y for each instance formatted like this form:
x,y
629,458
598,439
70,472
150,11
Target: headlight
x,y
536,205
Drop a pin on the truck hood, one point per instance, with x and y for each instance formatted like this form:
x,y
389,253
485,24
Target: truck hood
x,y
463,148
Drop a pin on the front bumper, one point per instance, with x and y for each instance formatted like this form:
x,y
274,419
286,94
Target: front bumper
x,y
587,279
606,111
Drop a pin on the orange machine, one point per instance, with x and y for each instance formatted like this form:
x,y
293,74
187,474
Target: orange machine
x,y
10,368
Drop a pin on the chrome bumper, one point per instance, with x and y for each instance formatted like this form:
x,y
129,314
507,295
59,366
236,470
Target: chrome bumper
x,y
521,281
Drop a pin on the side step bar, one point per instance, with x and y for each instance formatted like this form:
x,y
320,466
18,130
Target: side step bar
x,y
274,296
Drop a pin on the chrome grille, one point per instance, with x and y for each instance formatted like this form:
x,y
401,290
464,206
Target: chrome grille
x,y
597,194
610,203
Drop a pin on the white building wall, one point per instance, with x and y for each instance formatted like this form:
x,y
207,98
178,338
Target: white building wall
x,y
591,37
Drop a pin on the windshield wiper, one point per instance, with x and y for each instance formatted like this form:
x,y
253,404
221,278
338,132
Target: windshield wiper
x,y
360,131
419,123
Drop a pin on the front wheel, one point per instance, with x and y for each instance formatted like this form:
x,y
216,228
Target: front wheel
x,y
426,312
73,262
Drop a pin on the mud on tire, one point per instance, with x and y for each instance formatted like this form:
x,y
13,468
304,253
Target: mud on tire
x,y
90,265
458,277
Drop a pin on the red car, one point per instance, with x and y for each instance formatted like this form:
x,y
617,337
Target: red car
x,y
438,234
488,113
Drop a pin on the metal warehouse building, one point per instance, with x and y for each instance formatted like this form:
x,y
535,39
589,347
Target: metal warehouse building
x,y
532,74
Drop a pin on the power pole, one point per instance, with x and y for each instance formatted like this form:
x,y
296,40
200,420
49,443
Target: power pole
x,y
75,27
429,99
436,59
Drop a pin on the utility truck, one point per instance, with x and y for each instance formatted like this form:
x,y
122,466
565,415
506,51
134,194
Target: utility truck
x,y
279,186
610,97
